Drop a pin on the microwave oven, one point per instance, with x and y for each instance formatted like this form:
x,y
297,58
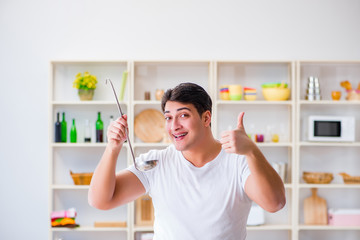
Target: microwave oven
x,y
331,128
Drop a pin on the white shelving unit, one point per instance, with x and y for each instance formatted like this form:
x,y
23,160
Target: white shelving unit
x,y
331,157
284,117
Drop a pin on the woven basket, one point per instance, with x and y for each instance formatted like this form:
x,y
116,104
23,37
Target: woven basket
x,y
81,178
318,177
349,179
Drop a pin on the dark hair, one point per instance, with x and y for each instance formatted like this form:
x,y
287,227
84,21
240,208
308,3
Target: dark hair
x,y
188,93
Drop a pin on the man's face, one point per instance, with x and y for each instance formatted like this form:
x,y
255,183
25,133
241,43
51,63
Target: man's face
x,y
183,124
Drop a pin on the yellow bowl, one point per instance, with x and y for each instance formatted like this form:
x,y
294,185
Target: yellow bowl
x,y
276,94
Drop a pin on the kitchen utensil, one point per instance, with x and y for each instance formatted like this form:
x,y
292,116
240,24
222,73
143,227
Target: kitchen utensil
x,y
315,209
149,125
110,224
140,165
144,211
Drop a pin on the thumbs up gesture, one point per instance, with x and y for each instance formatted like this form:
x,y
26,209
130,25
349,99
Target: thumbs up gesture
x,y
237,141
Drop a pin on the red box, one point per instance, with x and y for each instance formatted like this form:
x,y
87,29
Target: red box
x,y
344,217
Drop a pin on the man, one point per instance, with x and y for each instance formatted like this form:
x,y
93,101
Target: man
x,y
202,188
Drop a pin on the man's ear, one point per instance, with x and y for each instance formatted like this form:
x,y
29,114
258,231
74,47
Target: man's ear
x,y
207,118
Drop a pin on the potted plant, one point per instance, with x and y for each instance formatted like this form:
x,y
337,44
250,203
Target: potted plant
x,y
86,84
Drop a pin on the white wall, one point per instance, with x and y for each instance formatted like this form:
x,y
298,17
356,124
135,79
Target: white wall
x,y
34,32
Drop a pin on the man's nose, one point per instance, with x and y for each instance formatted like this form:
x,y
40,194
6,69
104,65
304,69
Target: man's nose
x,y
175,124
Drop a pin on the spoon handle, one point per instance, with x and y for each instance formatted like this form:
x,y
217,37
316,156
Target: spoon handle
x,y
121,114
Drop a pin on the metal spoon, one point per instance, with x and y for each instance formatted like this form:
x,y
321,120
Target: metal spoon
x,y
140,165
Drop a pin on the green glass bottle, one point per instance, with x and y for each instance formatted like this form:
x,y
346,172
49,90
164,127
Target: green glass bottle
x,y
73,134
63,128
99,129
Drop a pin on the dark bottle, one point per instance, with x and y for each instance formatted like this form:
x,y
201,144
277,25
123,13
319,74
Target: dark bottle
x,y
63,128
73,134
58,129
99,129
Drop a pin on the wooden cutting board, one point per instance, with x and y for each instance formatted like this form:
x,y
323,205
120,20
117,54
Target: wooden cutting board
x,y
315,209
150,125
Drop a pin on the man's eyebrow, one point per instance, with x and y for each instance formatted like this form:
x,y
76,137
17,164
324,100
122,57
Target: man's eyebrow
x,y
179,109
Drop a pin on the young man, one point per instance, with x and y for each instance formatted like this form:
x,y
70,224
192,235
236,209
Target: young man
x,y
202,188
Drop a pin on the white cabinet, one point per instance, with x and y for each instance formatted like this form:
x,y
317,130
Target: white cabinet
x,y
82,157
327,157
285,118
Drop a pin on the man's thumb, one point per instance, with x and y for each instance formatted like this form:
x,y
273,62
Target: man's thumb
x,y
240,123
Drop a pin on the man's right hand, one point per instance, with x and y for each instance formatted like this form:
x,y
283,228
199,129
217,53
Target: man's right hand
x,y
116,132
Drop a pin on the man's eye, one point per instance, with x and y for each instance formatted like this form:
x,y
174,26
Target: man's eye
x,y
183,115
167,118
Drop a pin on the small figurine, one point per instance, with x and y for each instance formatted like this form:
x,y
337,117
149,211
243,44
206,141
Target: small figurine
x,y
352,94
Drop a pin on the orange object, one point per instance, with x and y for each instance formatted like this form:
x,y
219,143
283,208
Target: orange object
x,y
346,84
336,95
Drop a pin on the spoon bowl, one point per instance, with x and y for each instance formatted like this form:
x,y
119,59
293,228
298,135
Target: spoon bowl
x,y
142,166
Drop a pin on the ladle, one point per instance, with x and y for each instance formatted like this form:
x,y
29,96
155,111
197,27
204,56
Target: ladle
x,y
139,165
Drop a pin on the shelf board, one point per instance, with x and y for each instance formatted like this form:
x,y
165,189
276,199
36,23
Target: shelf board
x,y
250,228
80,145
272,144
256,102
329,102
327,227
152,144
268,227
78,103
280,144
143,228
69,187
146,102
329,144
90,229
333,186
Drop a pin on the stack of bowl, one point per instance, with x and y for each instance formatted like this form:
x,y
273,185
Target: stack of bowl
x,y
249,94
224,92
235,92
275,91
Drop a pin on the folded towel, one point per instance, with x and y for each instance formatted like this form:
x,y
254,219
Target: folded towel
x,y
70,213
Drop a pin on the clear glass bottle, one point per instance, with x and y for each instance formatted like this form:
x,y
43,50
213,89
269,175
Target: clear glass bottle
x,y
87,132
110,121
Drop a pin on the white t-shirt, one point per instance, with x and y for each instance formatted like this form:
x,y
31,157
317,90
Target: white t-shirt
x,y
195,203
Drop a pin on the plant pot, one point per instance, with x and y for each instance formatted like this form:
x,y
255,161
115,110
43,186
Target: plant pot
x,y
86,95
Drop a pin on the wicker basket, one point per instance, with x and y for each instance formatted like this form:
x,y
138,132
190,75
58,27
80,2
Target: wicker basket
x,y
81,178
318,177
349,179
